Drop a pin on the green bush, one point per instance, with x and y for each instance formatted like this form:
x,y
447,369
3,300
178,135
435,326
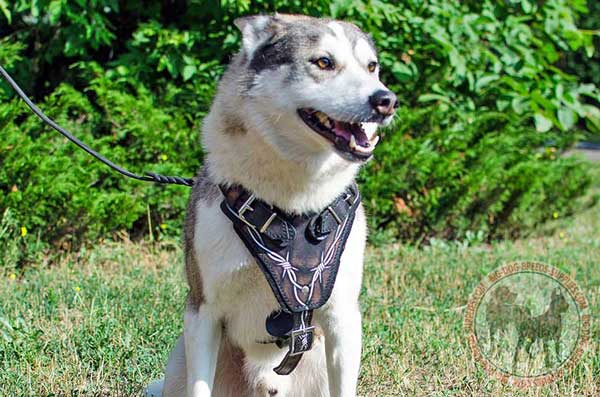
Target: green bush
x,y
479,84
16,247
489,176
585,62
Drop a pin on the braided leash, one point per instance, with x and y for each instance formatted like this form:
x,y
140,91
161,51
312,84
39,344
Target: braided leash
x,y
147,177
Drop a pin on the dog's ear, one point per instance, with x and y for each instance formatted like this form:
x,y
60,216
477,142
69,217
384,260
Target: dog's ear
x,y
256,29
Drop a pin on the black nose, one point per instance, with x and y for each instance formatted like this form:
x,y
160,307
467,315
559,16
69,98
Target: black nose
x,y
384,102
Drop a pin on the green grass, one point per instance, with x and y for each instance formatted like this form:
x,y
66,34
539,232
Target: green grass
x,y
103,320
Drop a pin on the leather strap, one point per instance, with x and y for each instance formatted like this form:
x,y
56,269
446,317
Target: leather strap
x,y
300,341
258,215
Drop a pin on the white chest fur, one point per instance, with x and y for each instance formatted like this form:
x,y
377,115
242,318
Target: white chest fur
x,y
236,289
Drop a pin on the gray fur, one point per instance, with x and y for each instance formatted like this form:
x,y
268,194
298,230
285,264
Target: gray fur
x,y
353,33
286,44
292,38
204,188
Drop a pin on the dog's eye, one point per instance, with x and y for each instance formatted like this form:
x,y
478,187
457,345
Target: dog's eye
x,y
372,66
324,63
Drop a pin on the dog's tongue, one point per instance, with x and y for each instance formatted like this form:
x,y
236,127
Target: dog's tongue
x,y
345,130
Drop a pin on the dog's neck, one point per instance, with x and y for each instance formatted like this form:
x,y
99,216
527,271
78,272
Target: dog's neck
x,y
240,157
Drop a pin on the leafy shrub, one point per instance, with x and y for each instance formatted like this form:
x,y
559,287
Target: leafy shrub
x,y
585,63
17,246
61,193
480,92
483,174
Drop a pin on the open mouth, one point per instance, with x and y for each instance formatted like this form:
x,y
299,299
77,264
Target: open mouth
x,y
349,139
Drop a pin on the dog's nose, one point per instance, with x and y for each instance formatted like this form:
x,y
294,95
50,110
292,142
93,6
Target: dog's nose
x,y
384,102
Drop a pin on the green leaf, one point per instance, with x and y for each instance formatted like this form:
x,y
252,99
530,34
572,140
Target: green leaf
x,y
485,81
433,97
401,71
542,124
188,71
567,118
520,104
5,11
592,118
54,11
541,100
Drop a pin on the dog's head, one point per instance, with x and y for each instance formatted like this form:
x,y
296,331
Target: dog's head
x,y
558,301
312,85
503,295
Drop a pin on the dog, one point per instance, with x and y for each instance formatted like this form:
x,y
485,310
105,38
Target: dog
x,y
295,116
545,328
499,310
502,314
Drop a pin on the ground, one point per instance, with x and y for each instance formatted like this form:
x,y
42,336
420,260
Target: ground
x,y
101,322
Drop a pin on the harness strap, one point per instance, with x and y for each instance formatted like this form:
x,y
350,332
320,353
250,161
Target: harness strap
x,y
300,341
259,215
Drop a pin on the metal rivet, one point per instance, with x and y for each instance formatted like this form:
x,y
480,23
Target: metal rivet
x,y
305,289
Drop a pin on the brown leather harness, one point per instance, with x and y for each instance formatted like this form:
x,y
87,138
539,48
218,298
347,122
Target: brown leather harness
x,y
299,255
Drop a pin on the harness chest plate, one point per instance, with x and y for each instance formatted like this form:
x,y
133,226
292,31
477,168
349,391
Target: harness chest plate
x,y
298,254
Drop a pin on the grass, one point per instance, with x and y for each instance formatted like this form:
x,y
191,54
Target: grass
x,y
101,322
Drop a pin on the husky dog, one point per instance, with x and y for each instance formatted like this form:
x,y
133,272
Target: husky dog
x,y
295,116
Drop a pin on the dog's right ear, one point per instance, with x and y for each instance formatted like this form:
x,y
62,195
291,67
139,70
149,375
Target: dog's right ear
x,y
256,29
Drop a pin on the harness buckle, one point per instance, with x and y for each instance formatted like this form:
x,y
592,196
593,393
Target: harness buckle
x,y
334,214
348,199
301,340
267,223
244,208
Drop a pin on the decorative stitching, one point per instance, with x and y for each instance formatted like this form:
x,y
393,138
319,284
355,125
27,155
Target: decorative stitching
x,y
289,270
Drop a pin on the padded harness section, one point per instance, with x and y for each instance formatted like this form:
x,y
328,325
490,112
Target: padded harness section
x,y
299,256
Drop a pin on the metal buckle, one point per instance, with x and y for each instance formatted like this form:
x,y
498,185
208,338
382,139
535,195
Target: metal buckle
x,y
347,198
301,340
246,207
264,227
335,215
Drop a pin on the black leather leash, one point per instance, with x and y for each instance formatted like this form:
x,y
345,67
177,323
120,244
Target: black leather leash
x,y
147,177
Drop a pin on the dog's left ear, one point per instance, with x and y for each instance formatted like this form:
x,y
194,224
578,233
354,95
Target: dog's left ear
x,y
256,29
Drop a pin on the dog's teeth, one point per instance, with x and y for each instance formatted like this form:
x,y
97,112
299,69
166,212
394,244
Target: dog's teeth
x,y
373,141
368,149
352,142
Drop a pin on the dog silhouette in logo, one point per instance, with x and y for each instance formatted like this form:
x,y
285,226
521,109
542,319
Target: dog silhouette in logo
x,y
502,313
545,328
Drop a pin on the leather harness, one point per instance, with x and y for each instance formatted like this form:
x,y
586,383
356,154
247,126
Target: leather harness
x,y
299,254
